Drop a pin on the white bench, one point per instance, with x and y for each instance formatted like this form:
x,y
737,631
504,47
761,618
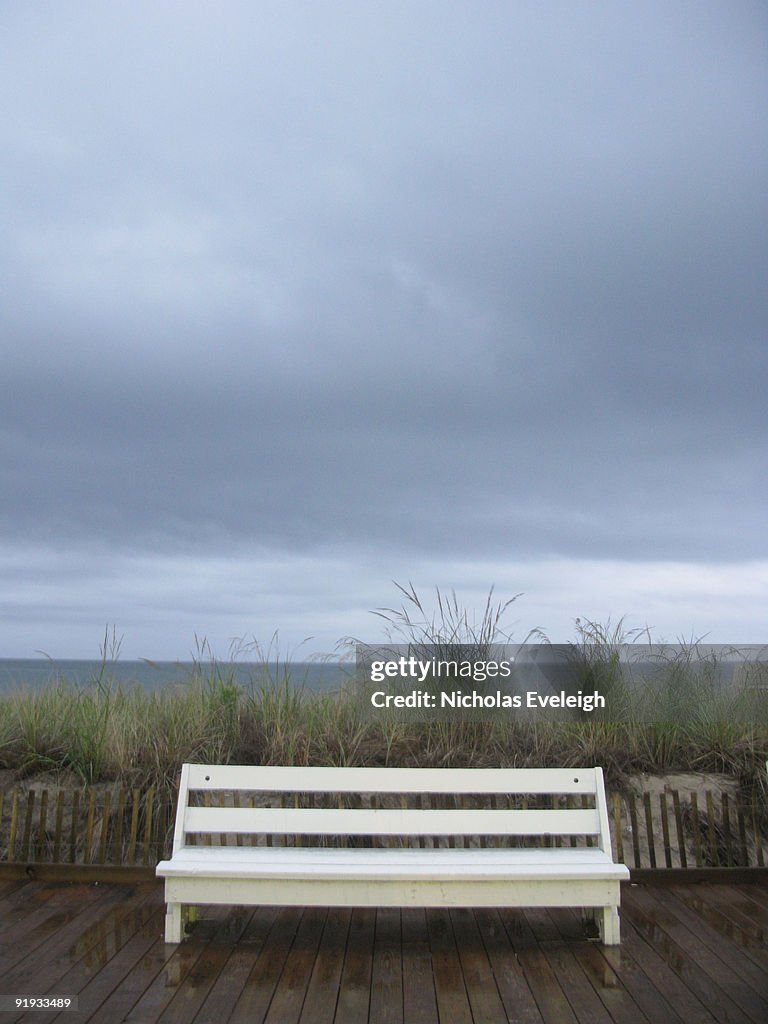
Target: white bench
x,y
445,857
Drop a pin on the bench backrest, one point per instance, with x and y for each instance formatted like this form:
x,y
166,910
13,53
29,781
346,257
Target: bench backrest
x,y
403,791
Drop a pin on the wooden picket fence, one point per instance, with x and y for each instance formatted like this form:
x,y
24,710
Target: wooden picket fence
x,y
134,828
122,827
678,833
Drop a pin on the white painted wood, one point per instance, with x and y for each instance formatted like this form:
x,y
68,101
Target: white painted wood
x,y
387,892
313,821
173,922
280,778
463,859
601,807
608,924
181,808
432,875
426,865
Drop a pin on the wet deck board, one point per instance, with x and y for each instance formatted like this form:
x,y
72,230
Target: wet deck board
x,y
695,954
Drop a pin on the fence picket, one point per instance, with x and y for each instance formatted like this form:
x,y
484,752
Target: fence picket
x,y
42,826
665,829
14,824
679,829
711,833
28,825
104,829
73,833
726,818
756,832
58,826
696,829
617,827
117,839
635,829
148,807
649,829
88,852
741,823
135,800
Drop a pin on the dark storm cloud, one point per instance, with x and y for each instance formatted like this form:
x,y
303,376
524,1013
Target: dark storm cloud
x,y
433,278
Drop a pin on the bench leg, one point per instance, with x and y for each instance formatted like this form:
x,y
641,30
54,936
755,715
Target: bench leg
x,y
608,923
174,922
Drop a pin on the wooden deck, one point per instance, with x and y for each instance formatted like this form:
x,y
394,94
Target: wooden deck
x,y
689,953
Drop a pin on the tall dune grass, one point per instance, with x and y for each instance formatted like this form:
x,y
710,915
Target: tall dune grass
x,y
109,733
102,732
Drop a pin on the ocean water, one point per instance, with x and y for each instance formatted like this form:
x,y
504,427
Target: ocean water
x,y
37,673
536,664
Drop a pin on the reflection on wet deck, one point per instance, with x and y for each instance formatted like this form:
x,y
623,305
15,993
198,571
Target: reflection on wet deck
x,y
689,953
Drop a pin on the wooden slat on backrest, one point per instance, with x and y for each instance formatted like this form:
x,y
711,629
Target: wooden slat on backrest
x,y
277,779
394,821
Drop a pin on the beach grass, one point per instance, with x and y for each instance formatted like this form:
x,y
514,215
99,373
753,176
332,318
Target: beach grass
x,y
681,720
104,732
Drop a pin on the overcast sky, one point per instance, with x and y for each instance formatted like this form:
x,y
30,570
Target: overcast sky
x,y
300,298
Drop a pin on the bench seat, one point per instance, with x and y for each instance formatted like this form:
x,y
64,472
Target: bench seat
x,y
313,864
